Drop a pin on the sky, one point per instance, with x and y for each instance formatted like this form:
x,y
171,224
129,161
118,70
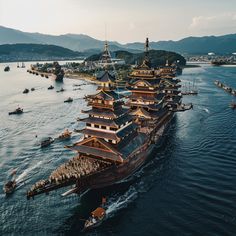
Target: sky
x,y
122,20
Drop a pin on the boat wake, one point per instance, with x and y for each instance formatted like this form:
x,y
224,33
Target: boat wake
x,y
117,203
25,173
206,110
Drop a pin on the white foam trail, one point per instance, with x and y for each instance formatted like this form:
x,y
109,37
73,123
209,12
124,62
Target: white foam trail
x,y
25,172
121,202
206,110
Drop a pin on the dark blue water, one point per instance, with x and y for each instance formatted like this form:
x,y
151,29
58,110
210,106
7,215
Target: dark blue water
x,y
187,188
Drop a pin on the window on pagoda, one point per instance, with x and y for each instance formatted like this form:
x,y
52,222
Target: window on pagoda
x,y
103,127
113,129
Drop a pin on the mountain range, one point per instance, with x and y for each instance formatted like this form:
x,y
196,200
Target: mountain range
x,y
225,44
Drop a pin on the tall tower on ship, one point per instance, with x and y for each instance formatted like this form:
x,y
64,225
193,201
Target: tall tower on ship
x,y
171,85
105,59
147,101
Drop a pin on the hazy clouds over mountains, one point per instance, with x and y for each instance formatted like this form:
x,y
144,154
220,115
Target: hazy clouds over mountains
x,y
80,42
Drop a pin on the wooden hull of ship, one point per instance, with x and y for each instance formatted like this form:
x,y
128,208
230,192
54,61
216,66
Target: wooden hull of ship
x,y
119,173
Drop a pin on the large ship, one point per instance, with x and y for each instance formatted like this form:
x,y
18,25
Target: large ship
x,y
119,135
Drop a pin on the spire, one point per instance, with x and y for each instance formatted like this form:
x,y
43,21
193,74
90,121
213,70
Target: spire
x,y
146,61
167,62
147,46
106,56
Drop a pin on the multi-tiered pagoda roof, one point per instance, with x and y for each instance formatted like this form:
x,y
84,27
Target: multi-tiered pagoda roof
x,y
109,126
147,99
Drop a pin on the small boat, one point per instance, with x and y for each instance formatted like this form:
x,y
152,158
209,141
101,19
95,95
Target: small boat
x,y
232,105
16,112
61,90
9,187
46,142
32,89
26,90
233,92
76,89
96,219
50,87
69,99
7,68
65,135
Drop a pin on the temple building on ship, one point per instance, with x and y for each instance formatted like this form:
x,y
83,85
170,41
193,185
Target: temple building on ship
x,y
109,126
170,85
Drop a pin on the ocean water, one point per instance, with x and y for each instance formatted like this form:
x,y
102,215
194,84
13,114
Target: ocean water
x,y
188,187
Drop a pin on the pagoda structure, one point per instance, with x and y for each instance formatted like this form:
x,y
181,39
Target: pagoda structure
x,y
105,59
110,147
170,85
108,125
147,102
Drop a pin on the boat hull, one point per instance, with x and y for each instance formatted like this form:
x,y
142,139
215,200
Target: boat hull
x,y
118,173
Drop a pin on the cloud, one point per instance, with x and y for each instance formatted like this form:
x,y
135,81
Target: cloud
x,y
221,22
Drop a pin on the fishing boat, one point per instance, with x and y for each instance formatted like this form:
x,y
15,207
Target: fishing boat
x,y
10,186
65,135
26,90
190,90
7,68
16,112
96,219
46,142
69,99
232,105
50,87
61,90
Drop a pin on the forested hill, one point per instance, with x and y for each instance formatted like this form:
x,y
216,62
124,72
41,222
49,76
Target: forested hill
x,y
24,52
157,57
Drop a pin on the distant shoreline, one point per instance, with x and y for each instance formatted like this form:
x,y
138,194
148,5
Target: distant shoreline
x,y
81,76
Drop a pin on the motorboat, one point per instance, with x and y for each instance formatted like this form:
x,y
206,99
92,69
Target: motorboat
x,y
65,135
7,68
46,142
26,90
9,187
16,112
232,105
69,99
96,219
50,87
61,90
